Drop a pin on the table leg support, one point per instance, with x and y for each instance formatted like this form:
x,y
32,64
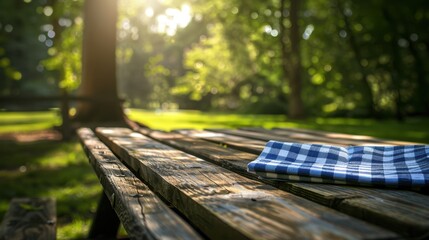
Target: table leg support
x,y
106,222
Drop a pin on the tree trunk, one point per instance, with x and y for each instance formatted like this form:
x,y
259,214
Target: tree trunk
x,y
367,90
291,60
422,85
396,72
99,64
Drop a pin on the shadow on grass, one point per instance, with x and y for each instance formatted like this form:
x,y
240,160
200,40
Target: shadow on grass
x,y
51,169
23,121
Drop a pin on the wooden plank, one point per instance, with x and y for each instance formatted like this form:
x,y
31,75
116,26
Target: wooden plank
x,y
306,137
343,136
263,136
402,211
141,212
29,218
347,139
225,140
231,159
226,205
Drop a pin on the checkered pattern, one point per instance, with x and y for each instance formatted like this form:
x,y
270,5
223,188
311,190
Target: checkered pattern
x,y
401,166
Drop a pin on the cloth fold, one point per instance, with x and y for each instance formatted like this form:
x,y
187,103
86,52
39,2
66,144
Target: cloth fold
x,y
397,166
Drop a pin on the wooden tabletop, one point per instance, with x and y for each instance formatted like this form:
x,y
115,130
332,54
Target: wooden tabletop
x,y
202,175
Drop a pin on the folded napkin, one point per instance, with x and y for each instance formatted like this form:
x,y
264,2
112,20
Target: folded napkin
x,y
401,166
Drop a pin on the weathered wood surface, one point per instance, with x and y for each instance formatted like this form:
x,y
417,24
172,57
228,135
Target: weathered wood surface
x,y
29,218
231,159
341,136
401,211
225,140
226,205
263,136
327,137
141,212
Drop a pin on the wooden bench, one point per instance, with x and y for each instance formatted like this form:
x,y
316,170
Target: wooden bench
x,y
194,184
29,218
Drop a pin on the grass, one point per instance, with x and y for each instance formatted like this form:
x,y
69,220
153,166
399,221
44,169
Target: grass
x,y
61,170
414,129
50,168
47,169
28,121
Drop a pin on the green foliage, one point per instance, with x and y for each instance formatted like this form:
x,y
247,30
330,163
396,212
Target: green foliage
x,y
158,78
212,68
355,56
358,58
65,55
18,41
365,55
141,72
40,46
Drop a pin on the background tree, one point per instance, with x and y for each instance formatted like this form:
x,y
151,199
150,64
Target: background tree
x,y
291,57
99,64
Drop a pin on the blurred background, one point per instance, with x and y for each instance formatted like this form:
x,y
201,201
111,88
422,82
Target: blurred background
x,y
357,67
353,58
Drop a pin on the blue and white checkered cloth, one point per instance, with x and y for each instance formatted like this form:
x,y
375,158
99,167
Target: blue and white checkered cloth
x,y
398,166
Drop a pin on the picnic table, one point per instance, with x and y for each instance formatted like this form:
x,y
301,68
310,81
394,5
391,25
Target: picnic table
x,y
192,184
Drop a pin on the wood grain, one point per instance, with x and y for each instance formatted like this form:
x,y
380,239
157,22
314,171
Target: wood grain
x,y
29,218
141,212
225,140
344,136
219,154
226,205
265,136
401,211
327,137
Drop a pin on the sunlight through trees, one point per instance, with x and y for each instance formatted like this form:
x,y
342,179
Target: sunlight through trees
x,y
341,58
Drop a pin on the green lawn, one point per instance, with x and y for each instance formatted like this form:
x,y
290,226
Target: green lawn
x,y
47,168
28,121
414,129
61,170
